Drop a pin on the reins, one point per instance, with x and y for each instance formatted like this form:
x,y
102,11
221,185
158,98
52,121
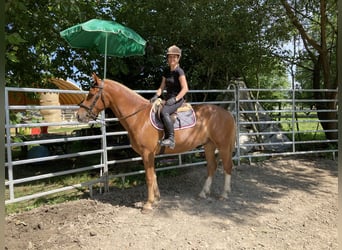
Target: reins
x,y
134,113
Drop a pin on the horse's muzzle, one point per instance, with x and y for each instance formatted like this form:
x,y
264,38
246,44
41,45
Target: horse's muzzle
x,y
82,117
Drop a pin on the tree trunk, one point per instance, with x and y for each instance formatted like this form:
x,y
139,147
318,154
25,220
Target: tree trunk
x,y
322,64
325,105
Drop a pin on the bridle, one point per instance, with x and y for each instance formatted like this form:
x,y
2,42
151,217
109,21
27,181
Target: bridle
x,y
89,110
99,94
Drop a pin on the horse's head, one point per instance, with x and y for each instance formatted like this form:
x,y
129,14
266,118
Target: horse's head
x,y
94,102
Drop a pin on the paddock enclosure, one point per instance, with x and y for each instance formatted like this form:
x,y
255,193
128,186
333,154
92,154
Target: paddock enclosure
x,y
41,150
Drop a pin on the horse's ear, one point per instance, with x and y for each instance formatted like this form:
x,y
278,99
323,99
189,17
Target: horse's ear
x,y
95,77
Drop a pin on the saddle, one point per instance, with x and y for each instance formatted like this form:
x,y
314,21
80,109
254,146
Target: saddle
x,y
183,118
158,105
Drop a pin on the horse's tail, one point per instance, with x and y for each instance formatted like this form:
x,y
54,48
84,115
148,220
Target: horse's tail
x,y
234,142
231,136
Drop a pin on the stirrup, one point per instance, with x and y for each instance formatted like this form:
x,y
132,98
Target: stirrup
x,y
168,143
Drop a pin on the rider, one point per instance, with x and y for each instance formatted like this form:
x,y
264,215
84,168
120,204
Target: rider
x,y
175,83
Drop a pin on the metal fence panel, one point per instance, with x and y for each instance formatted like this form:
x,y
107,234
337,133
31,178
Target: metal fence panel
x,y
261,132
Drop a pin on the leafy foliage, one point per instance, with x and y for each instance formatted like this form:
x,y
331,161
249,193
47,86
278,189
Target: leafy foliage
x,y
221,40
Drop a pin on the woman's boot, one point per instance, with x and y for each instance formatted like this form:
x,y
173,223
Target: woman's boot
x,y
169,140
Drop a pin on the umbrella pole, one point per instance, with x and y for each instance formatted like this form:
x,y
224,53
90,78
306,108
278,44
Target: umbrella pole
x,y
105,61
103,130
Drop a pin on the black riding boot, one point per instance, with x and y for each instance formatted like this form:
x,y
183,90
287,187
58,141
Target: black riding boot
x,y
169,140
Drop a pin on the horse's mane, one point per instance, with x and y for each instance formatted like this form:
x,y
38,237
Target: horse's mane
x,y
127,90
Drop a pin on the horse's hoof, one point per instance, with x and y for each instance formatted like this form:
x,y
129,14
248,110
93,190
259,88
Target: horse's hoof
x,y
202,195
223,197
147,208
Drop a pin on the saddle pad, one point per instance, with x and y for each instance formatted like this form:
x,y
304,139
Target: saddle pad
x,y
185,119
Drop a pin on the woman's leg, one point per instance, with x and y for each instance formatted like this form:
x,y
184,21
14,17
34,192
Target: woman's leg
x,y
169,140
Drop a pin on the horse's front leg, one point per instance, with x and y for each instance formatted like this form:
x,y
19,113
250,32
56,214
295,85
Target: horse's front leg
x,y
206,188
209,150
151,181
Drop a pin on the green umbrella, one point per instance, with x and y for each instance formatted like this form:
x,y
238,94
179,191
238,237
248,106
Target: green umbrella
x,y
105,37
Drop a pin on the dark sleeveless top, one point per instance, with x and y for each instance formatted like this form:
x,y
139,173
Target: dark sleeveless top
x,y
173,86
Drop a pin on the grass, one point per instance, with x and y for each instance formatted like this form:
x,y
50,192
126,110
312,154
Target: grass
x,y
301,127
48,184
75,194
27,170
46,200
65,130
24,189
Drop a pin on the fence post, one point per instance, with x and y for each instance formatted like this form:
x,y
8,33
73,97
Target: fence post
x,y
293,118
2,125
104,148
236,86
9,147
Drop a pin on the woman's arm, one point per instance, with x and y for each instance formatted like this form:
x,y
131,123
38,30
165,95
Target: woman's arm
x,y
184,87
161,88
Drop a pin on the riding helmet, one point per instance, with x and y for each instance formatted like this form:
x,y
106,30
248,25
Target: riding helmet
x,y
174,50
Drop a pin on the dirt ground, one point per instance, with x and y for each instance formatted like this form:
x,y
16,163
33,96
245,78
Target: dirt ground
x,y
281,203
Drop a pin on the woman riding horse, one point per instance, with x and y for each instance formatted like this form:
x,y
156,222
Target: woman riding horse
x,y
214,129
175,83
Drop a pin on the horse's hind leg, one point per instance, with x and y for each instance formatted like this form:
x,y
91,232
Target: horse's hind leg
x,y
209,150
156,188
227,162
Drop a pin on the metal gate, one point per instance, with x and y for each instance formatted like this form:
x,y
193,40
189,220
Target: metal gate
x,y
266,127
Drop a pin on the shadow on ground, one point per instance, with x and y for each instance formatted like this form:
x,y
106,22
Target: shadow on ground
x,y
253,187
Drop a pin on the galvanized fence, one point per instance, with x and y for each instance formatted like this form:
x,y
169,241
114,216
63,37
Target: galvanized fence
x,y
101,150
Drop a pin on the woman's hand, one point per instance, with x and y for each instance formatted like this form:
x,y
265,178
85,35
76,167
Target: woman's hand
x,y
171,101
154,98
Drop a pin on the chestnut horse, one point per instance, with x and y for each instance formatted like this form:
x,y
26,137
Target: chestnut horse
x,y
214,129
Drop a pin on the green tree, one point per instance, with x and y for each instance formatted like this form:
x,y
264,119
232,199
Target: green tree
x,y
35,51
221,40
316,24
34,48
